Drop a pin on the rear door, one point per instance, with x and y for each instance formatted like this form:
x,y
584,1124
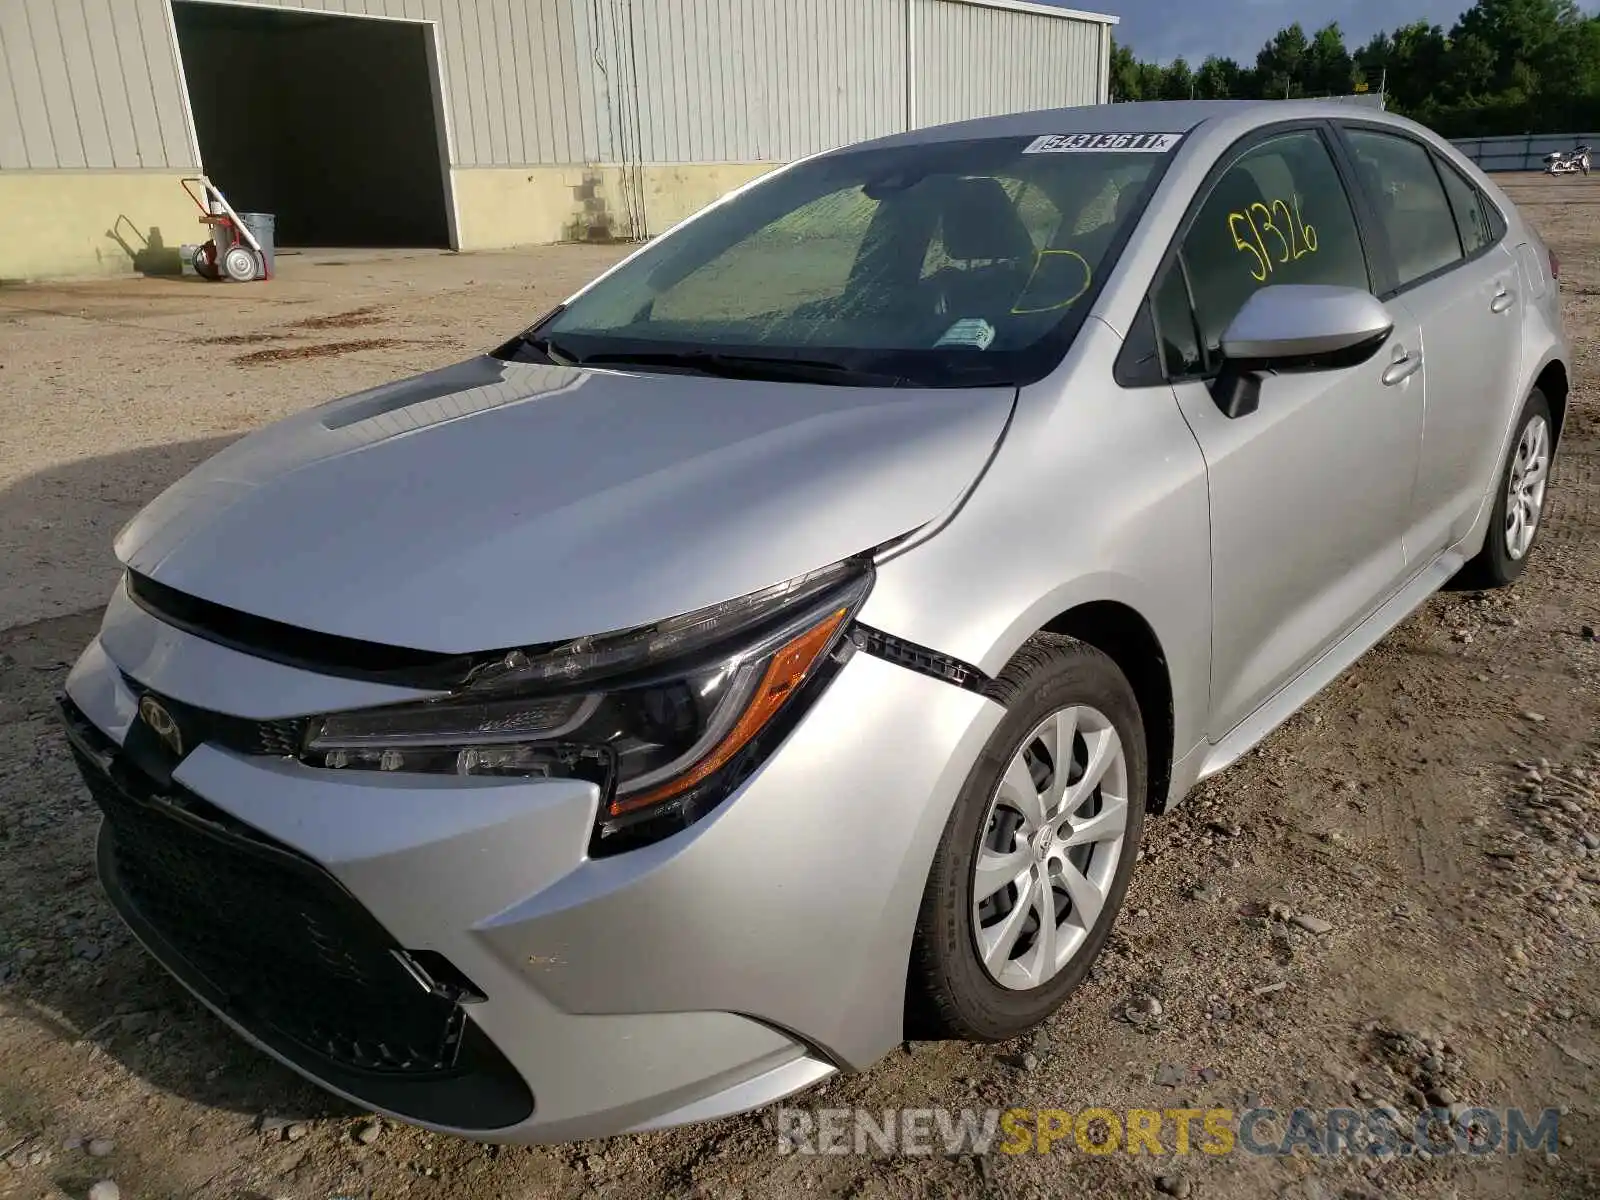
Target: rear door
x,y
1452,270
1309,493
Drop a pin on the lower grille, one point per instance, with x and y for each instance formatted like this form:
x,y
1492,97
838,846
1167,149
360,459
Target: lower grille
x,y
285,945
285,950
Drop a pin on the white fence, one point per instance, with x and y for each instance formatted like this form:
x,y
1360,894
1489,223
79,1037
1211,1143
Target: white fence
x,y
1522,153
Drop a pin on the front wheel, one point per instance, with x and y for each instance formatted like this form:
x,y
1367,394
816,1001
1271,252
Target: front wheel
x,y
1037,853
1520,497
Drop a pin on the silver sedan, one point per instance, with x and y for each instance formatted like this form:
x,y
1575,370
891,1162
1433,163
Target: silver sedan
x,y
776,651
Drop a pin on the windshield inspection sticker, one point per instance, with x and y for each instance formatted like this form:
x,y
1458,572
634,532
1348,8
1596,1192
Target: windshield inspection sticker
x,y
971,331
1104,143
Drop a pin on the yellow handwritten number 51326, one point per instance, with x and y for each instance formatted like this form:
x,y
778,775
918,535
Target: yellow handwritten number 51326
x,y
1263,268
1299,240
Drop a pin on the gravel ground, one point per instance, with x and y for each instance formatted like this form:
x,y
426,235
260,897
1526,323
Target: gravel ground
x,y
1394,901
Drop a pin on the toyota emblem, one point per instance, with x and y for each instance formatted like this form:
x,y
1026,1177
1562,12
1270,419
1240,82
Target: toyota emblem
x,y
161,721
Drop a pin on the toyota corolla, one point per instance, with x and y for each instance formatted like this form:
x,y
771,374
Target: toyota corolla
x,y
775,652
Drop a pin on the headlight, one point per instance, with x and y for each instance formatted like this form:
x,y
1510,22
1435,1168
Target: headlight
x,y
667,719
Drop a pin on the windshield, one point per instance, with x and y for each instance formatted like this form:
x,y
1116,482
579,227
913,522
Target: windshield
x,y
964,263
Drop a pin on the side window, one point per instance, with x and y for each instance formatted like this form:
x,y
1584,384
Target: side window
x,y
1398,176
1471,209
1138,363
1161,344
1180,345
1279,214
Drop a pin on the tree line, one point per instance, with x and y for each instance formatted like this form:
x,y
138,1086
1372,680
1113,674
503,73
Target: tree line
x,y
1505,67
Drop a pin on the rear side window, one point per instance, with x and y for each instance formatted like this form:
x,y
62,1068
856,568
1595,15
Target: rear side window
x,y
1279,214
1477,227
1399,178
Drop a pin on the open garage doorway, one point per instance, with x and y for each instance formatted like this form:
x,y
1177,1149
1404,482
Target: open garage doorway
x,y
332,123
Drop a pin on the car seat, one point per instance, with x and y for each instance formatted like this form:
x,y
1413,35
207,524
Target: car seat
x,y
981,230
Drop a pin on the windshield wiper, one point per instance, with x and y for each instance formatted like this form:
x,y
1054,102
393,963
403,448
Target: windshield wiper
x,y
548,347
554,351
745,366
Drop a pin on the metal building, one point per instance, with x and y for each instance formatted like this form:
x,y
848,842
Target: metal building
x,y
473,123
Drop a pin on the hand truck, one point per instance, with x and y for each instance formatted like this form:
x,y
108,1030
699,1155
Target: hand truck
x,y
232,249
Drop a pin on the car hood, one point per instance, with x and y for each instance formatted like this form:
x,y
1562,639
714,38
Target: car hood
x,y
494,504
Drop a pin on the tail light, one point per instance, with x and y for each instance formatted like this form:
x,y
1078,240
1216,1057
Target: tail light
x,y
1555,266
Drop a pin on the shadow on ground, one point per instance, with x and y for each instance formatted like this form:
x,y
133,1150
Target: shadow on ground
x,y
68,967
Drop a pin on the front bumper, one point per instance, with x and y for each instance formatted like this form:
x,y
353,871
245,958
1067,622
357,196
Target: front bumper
x,y
724,968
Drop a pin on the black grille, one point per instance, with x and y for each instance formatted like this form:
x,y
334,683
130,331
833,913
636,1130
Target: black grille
x,y
279,945
280,738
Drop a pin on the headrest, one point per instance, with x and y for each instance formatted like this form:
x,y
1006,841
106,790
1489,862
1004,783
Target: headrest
x,y
981,222
1213,243
1239,190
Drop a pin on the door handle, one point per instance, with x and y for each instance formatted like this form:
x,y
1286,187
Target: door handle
x,y
1503,300
1404,366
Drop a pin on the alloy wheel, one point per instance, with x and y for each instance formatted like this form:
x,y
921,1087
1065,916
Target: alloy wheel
x,y
1052,837
1525,487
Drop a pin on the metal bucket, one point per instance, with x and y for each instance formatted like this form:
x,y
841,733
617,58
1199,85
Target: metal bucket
x,y
262,225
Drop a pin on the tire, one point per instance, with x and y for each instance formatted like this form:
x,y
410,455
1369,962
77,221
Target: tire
x,y
951,993
1504,557
205,262
240,264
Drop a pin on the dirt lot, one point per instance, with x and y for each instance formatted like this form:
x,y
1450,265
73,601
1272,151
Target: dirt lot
x,y
1391,902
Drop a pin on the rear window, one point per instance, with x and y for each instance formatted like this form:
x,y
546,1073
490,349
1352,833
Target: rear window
x,y
1400,180
1479,225
951,263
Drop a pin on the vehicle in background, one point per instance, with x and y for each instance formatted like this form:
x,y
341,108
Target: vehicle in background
x,y
1567,162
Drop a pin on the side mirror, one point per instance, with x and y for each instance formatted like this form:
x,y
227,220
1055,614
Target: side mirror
x,y
1296,327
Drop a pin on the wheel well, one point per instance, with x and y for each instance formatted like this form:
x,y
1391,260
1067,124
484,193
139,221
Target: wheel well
x,y
1120,632
1553,383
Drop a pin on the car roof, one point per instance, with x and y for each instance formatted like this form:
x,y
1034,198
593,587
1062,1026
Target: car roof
x,y
1158,116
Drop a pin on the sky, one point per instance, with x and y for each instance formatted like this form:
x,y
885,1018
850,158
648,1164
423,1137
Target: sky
x,y
1163,29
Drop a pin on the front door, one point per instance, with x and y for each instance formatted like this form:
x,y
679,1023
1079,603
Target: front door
x,y
1309,493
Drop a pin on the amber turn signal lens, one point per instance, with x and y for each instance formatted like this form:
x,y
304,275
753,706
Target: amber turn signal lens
x,y
784,675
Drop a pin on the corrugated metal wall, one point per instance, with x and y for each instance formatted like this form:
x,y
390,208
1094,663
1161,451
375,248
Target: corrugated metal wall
x,y
90,83
513,78
96,83
974,61
741,80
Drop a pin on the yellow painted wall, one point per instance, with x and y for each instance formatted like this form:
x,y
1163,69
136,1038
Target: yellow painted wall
x,y
520,206
63,224
59,224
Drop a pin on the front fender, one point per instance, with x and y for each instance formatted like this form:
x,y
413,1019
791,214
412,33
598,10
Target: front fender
x,y
1097,493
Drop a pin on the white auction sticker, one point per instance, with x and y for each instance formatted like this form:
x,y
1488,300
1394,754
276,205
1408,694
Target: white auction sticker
x,y
969,331
1104,143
